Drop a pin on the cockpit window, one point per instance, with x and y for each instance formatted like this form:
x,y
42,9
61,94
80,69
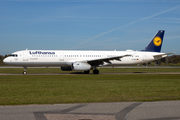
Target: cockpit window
x,y
14,55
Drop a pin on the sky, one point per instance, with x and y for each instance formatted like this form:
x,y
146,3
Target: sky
x,y
88,24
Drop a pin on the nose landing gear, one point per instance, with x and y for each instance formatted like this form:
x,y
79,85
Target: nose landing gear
x,y
25,71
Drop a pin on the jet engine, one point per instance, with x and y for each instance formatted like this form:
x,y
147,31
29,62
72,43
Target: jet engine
x,y
81,66
77,66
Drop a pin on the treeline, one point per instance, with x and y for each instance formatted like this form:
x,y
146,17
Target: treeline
x,y
175,59
1,60
171,60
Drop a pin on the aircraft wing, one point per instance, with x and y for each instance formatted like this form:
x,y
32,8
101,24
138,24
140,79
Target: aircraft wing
x,y
101,61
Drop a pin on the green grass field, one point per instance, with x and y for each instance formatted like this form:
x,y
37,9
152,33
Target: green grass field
x,y
75,88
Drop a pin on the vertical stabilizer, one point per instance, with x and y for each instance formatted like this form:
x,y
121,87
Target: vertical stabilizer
x,y
156,42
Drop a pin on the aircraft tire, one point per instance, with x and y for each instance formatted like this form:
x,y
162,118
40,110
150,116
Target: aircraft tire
x,y
95,71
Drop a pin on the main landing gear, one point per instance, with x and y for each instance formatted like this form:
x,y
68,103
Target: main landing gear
x,y
25,71
95,71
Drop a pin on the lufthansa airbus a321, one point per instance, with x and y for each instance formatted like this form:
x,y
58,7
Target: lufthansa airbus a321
x,y
74,60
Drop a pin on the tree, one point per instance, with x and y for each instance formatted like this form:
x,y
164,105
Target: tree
x,y
174,59
1,57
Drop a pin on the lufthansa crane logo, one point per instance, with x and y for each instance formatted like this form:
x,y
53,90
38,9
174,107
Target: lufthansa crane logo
x,y
157,41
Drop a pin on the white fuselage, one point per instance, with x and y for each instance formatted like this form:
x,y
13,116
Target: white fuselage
x,y
27,58
85,61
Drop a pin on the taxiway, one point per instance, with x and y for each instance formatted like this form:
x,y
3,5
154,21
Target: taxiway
x,y
163,110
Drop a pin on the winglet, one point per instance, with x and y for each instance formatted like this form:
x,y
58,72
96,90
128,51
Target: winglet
x,y
156,42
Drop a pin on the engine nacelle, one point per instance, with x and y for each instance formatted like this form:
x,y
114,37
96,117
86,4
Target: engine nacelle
x,y
81,66
67,68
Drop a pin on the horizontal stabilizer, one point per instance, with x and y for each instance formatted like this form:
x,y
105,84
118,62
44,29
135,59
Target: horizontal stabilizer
x,y
163,55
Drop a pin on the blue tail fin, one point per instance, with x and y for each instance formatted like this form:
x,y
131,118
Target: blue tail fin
x,y
156,42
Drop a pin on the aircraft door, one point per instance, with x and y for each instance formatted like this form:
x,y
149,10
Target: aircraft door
x,y
61,56
144,57
25,55
103,55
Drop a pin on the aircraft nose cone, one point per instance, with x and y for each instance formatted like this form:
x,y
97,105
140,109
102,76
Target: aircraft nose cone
x,y
6,60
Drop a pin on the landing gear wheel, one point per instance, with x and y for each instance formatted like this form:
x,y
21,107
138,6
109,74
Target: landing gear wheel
x,y
86,72
95,71
24,72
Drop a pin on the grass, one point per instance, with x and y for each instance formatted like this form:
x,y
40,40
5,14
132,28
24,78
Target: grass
x,y
51,89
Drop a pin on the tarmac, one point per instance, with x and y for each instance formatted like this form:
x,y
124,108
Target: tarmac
x,y
81,73
78,73
161,110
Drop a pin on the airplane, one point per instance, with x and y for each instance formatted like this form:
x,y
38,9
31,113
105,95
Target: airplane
x,y
78,60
